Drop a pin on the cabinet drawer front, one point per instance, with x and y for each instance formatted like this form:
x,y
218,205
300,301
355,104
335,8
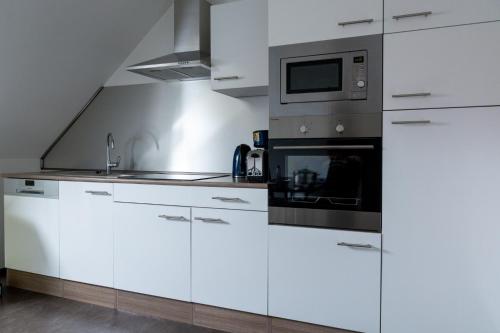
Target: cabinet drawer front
x,y
193,196
448,67
404,15
325,277
229,259
324,19
154,194
230,198
152,249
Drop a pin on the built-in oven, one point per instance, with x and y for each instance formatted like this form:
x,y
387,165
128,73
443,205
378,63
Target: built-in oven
x,y
331,183
341,76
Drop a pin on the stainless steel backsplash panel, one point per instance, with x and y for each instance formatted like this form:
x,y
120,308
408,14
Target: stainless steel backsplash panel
x,y
177,126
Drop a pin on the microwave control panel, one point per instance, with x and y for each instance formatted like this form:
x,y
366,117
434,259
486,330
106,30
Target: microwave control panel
x,y
359,75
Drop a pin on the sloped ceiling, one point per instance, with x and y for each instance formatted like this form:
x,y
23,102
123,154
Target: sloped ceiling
x,y
54,54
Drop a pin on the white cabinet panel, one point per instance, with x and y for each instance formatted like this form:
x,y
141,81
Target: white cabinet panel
x,y
240,48
423,14
152,248
229,259
457,66
198,196
313,279
440,221
32,234
298,21
86,232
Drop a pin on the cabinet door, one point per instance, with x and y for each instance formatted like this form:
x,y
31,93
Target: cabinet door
x,y
404,15
229,259
239,48
298,21
441,225
448,67
32,234
86,232
315,277
153,249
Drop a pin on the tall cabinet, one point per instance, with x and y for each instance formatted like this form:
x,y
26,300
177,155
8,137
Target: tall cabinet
x,y
440,223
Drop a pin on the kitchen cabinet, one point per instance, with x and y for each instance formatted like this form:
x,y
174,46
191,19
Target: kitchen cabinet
x,y
32,227
239,48
448,67
316,277
440,212
86,232
404,15
297,21
152,250
229,259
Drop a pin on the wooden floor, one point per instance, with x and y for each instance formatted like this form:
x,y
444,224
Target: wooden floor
x,y
24,311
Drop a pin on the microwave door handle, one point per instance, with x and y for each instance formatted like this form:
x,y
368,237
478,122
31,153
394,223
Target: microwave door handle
x,y
331,147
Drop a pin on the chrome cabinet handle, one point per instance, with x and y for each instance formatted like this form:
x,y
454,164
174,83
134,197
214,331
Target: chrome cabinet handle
x,y
422,94
226,78
31,192
224,199
98,193
355,22
397,17
209,220
411,122
360,246
336,147
173,218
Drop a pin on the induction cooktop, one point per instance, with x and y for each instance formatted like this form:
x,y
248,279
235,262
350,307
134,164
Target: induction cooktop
x,y
172,176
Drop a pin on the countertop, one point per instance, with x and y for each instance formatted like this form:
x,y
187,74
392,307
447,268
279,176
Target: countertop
x,y
93,176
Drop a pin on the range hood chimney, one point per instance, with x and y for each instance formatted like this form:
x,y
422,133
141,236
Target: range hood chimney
x,y
191,57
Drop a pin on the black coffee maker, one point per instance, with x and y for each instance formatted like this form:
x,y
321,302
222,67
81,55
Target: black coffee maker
x,y
257,159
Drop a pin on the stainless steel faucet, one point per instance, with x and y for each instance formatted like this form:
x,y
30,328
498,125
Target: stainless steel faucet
x,y
110,144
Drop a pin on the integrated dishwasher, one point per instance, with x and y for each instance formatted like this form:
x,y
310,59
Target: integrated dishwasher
x,y
32,226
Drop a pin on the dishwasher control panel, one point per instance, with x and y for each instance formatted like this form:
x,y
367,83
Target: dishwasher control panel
x,y
32,188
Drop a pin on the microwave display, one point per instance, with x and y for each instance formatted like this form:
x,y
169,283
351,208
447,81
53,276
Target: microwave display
x,y
314,76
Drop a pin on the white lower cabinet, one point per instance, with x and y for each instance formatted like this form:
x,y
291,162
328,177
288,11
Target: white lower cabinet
x,y
152,249
315,276
229,259
441,193
86,232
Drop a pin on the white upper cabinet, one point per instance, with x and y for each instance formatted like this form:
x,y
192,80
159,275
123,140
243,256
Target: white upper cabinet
x,y
441,230
446,67
325,277
86,232
153,250
229,259
299,21
240,48
404,15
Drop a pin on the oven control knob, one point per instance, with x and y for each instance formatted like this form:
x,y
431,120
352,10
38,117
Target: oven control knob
x,y
303,129
340,128
361,84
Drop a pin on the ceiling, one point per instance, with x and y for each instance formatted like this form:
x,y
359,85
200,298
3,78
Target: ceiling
x,y
54,54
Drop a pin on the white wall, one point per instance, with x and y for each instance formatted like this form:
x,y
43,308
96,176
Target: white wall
x,y
9,166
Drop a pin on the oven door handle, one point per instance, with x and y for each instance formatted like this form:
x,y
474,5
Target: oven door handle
x,y
333,147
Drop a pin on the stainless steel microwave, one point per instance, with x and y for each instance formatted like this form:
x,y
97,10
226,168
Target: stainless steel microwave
x,y
327,77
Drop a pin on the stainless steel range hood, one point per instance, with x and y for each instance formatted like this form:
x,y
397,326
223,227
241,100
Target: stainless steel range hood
x,y
191,57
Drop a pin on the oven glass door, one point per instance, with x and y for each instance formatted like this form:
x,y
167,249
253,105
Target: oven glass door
x,y
331,174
